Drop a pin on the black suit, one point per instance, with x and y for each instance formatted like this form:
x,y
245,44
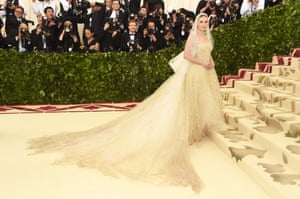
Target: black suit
x,y
109,43
50,29
131,42
134,6
12,29
37,40
150,45
153,3
95,21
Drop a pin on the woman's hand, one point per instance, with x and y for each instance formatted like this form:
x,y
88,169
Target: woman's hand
x,y
209,65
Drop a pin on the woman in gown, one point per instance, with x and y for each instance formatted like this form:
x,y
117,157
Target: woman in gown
x,y
151,142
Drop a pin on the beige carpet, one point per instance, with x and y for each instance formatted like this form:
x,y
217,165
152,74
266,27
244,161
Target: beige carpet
x,y
33,177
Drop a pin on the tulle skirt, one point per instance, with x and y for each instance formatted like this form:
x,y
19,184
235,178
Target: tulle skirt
x,y
150,142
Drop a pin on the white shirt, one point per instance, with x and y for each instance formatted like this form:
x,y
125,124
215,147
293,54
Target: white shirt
x,y
65,5
3,13
39,6
249,8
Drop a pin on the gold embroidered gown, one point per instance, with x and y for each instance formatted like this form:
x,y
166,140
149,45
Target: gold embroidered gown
x,y
151,142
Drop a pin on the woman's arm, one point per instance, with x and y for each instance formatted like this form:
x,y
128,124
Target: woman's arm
x,y
188,56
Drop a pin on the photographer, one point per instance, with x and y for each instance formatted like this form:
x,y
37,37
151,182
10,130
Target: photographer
x,y
233,11
95,20
159,16
142,17
119,17
151,4
168,35
214,21
12,27
23,38
186,28
152,40
68,40
107,8
38,6
251,6
112,35
38,39
10,6
271,3
75,11
206,6
1,36
114,26
50,29
134,6
131,40
186,25
90,44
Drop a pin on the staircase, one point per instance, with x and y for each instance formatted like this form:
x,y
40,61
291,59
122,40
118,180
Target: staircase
x,y
262,111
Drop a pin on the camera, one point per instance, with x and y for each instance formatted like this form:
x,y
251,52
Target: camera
x,y
131,16
188,26
140,17
214,22
68,26
212,4
179,18
233,7
83,5
81,10
168,30
132,45
114,24
150,31
9,3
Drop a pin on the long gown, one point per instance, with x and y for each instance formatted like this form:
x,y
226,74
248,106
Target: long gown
x,y
151,142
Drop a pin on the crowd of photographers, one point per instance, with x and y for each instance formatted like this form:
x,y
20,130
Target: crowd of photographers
x,y
113,25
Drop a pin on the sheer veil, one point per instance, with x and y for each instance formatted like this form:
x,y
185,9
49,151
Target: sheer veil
x,y
194,31
177,61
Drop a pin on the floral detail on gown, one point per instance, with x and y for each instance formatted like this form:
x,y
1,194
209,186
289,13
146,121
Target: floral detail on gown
x,y
151,142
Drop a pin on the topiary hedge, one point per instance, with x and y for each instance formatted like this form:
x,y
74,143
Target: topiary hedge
x,y
34,78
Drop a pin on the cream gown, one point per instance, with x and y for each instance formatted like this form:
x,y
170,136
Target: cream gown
x,y
151,142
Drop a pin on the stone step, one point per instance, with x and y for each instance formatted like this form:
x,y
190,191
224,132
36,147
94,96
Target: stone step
x,y
271,133
277,179
286,97
276,141
262,111
288,72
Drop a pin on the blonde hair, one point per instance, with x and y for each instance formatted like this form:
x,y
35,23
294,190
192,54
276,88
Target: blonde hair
x,y
208,33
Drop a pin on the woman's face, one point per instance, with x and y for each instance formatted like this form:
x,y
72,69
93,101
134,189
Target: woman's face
x,y
202,23
88,34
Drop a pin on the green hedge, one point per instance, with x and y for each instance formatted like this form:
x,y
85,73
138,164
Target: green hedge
x,y
273,31
27,78
34,78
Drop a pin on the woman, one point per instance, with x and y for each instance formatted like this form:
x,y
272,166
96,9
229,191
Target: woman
x,y
150,142
89,42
